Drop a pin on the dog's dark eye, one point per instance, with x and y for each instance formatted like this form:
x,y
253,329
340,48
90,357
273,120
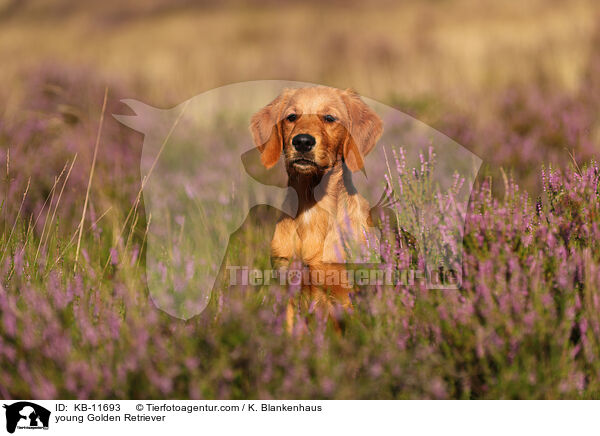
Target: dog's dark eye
x,y
291,117
329,118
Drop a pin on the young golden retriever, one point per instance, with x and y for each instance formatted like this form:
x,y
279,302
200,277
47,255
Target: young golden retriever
x,y
324,134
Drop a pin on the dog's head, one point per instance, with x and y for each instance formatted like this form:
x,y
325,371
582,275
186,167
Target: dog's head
x,y
315,128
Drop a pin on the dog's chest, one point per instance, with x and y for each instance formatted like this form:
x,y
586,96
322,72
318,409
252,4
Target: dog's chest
x,y
321,235
312,226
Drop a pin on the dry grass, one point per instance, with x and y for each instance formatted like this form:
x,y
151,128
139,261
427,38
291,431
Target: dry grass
x,y
458,51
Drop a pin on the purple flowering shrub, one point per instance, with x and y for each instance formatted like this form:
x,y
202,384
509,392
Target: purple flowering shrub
x,y
533,123
55,126
524,324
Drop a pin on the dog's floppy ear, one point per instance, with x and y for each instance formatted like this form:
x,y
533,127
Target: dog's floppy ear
x,y
265,127
364,130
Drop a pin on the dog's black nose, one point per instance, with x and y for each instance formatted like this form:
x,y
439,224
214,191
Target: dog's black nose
x,y
303,142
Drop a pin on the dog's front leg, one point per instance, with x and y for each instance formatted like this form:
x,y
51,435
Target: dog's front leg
x,y
282,252
281,265
283,243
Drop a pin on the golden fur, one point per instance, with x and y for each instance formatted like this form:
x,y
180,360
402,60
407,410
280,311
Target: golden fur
x,y
330,211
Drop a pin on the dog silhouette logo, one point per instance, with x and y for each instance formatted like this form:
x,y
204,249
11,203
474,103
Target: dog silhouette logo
x,y
26,415
202,182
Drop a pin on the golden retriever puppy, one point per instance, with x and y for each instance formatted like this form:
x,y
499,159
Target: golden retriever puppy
x,y
324,134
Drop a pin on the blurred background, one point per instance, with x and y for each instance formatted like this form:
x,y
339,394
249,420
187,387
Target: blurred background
x,y
514,82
